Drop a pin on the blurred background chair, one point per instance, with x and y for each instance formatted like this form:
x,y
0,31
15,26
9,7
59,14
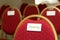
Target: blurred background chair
x,y
10,19
42,6
53,15
31,9
23,7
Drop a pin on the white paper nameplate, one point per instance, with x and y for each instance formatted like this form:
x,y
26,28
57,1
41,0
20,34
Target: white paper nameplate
x,y
11,13
34,27
51,13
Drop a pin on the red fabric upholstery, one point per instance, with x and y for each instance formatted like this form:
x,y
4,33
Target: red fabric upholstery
x,y
31,10
3,9
23,7
9,23
45,34
41,7
54,19
58,6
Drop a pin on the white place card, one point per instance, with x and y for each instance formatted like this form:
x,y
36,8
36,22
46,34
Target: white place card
x,y
11,13
34,27
51,13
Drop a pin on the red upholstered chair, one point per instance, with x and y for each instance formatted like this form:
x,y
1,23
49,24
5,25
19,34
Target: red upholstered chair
x,y
23,7
41,29
3,9
30,10
41,7
10,20
54,16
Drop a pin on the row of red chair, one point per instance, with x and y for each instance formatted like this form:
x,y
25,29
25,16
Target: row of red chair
x,y
12,19
55,19
9,21
40,7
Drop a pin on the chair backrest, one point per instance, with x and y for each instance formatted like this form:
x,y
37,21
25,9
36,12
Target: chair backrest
x,y
41,7
10,19
53,15
30,9
3,9
23,7
41,29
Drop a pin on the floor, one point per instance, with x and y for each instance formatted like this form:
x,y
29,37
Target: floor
x,y
58,37
3,35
